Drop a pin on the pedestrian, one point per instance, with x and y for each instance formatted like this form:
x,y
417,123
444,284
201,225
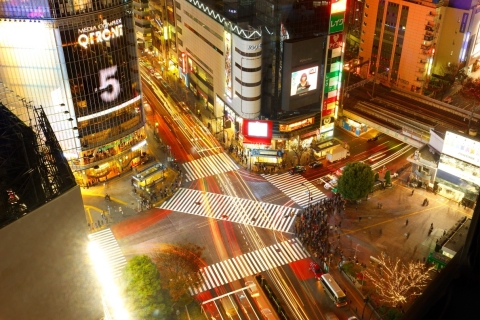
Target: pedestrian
x,y
431,225
356,208
359,219
413,191
120,210
406,222
408,234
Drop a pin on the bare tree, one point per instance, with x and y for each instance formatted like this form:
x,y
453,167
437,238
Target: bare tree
x,y
299,148
395,281
178,266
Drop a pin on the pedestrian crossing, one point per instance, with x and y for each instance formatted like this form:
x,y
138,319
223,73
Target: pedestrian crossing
x,y
110,250
249,264
209,166
296,187
219,206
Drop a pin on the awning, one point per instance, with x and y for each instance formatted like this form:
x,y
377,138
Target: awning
x,y
256,140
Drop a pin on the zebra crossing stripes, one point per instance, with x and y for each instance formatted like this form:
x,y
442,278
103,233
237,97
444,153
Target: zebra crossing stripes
x,y
248,264
296,187
109,248
209,166
219,206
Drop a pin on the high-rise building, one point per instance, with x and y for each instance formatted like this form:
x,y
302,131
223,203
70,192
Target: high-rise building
x,y
410,43
78,60
244,61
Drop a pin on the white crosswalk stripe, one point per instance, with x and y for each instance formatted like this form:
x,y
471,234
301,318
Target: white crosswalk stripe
x,y
219,206
249,264
109,248
296,187
209,166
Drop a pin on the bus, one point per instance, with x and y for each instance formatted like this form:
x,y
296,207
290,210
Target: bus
x,y
333,290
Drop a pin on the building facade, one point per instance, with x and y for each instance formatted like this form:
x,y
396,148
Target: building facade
x,y
244,60
78,61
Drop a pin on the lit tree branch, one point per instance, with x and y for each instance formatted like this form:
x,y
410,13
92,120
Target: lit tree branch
x,y
395,281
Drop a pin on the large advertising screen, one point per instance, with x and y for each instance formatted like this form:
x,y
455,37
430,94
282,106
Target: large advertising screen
x,y
100,59
304,80
257,128
462,148
302,72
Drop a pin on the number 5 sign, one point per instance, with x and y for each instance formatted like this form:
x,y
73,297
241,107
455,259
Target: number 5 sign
x,y
109,85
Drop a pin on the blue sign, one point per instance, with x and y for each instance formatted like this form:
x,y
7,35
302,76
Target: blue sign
x,y
463,25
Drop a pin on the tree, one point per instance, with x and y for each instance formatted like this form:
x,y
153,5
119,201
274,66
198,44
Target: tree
x,y
388,178
299,148
395,281
356,181
142,290
179,266
452,72
377,176
471,89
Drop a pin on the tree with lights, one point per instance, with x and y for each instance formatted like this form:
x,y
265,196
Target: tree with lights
x,y
396,282
179,266
141,287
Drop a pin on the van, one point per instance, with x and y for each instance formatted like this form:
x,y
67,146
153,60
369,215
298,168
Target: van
x,y
229,307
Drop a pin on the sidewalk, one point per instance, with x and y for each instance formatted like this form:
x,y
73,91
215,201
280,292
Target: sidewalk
x,y
367,231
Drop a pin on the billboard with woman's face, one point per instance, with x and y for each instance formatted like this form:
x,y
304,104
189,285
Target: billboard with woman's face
x,y
303,81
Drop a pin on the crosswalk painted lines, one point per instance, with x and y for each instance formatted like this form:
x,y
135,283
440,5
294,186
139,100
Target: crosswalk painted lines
x,y
248,264
110,250
296,187
219,206
209,166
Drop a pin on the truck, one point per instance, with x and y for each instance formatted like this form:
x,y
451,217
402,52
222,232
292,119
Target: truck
x,y
337,153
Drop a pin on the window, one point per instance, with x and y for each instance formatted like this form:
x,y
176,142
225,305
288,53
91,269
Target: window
x,y
180,42
177,4
247,99
246,84
248,69
178,17
254,54
179,30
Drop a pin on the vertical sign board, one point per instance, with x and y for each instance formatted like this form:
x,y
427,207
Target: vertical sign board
x,y
333,64
228,63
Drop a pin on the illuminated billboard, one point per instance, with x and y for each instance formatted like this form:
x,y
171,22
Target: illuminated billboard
x,y
462,148
228,64
102,71
257,128
304,80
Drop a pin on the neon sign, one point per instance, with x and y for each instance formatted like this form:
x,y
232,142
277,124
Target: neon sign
x,y
100,33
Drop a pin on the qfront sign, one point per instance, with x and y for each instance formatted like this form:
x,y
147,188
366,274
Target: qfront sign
x,y
102,32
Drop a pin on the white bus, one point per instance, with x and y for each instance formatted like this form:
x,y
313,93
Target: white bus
x,y
333,290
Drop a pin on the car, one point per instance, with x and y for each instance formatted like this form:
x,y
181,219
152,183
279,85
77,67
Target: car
x,y
315,164
352,318
267,314
317,271
297,169
331,316
252,288
157,75
339,172
373,139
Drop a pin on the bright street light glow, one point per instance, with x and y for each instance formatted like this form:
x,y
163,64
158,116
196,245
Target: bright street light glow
x,y
110,289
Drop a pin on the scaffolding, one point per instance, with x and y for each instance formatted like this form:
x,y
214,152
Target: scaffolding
x,y
33,169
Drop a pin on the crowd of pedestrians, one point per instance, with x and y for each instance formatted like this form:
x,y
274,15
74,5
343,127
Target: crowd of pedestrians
x,y
313,229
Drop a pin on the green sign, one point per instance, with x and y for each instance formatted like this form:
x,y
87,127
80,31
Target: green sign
x,y
336,22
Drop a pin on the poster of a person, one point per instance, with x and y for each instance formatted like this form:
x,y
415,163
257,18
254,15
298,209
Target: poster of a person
x,y
303,85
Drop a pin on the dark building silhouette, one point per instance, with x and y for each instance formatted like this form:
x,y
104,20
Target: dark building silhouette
x,y
33,169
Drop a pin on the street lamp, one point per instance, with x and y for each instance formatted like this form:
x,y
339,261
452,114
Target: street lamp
x,y
355,256
309,193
